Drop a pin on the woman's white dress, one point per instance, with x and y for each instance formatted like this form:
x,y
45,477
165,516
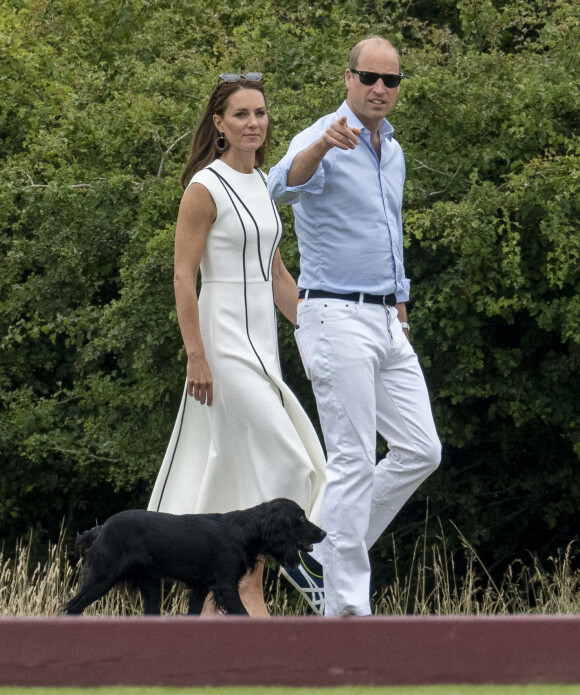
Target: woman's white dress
x,y
255,442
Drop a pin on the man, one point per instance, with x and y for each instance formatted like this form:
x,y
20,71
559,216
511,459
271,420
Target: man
x,y
344,176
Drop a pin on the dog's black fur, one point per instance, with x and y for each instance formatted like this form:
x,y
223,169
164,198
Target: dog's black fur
x,y
207,552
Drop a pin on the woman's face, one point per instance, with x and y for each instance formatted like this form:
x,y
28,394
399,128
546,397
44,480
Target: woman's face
x,y
245,120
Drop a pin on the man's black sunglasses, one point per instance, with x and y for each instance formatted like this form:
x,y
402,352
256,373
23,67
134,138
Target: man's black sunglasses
x,y
369,78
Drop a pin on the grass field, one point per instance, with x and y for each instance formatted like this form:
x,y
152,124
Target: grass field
x,y
354,690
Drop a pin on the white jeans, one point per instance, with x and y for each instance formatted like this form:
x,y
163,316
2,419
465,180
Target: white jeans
x,y
366,378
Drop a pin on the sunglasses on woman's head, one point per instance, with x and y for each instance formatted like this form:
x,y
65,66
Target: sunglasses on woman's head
x,y
369,78
234,77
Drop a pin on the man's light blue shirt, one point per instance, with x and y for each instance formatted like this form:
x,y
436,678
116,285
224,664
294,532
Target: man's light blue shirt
x,y
348,214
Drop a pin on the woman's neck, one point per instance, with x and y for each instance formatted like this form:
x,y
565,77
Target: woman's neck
x,y
244,162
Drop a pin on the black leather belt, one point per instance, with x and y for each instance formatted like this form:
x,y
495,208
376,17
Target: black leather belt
x,y
386,300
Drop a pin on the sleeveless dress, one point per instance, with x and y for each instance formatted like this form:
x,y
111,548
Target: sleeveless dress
x,y
255,442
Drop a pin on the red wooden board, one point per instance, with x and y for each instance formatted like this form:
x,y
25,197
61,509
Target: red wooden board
x,y
306,651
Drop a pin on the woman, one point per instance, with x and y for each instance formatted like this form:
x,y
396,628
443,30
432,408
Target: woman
x,y
241,437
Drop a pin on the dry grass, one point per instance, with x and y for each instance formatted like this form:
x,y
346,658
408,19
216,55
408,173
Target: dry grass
x,y
431,586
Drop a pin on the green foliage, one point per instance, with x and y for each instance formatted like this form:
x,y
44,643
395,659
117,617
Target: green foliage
x,y
97,104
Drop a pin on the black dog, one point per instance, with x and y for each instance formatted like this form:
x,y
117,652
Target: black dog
x,y
207,552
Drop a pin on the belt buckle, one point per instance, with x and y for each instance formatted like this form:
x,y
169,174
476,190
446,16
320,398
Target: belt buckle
x,y
384,303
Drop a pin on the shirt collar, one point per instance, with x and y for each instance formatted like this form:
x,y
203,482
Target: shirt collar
x,y
386,130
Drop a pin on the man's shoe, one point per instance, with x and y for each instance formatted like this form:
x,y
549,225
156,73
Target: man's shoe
x,y
307,578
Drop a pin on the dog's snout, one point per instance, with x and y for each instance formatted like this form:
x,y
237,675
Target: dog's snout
x,y
318,534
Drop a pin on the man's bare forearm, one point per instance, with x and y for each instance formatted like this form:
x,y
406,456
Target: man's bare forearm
x,y
306,162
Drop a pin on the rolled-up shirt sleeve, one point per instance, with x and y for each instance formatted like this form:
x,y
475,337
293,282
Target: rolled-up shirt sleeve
x,y
403,290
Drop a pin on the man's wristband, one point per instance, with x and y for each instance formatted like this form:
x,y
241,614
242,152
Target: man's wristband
x,y
404,324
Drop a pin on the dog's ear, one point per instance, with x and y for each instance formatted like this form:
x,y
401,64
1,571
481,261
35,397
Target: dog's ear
x,y
279,536
274,528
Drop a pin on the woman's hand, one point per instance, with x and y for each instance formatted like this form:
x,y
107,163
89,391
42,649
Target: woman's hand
x,y
199,380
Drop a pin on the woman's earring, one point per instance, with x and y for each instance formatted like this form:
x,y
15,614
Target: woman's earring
x,y
221,143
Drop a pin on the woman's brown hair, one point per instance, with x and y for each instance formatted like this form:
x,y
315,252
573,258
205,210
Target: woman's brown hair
x,y
203,147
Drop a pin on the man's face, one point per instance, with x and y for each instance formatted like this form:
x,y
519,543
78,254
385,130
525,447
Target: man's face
x,y
371,104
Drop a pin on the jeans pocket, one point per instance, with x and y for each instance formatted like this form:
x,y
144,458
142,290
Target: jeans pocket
x,y
338,310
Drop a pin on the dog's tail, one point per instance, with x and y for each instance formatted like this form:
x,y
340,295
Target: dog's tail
x,y
86,539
